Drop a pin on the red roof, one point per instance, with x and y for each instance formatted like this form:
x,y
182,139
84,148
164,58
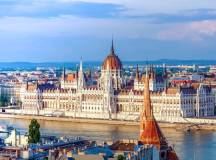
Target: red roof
x,y
171,155
152,134
181,81
112,61
71,77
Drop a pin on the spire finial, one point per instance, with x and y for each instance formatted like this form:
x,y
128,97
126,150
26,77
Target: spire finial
x,y
147,72
63,72
112,52
81,64
147,100
164,70
137,73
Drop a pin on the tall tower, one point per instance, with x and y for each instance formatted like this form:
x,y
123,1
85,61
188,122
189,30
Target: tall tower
x,y
137,73
112,52
63,78
152,72
81,78
165,77
63,73
150,132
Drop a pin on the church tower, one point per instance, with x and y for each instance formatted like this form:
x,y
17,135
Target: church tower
x,y
150,132
81,76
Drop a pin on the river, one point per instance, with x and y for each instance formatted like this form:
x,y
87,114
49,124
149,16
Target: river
x,y
196,145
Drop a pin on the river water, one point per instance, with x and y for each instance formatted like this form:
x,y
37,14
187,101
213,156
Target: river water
x,y
197,145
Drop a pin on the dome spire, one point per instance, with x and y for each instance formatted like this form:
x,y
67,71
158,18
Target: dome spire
x,y
112,51
112,60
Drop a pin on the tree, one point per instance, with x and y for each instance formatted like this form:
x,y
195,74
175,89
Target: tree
x,y
34,132
4,100
120,157
215,110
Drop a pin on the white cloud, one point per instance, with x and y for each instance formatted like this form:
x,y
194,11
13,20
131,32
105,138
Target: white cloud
x,y
195,31
75,26
143,7
129,27
134,7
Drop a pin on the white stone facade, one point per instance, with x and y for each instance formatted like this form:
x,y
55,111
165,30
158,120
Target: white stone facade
x,y
112,99
16,139
124,104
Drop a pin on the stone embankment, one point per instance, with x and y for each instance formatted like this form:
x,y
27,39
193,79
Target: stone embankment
x,y
179,126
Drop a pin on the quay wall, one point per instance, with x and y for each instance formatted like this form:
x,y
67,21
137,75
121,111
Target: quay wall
x,y
132,117
191,123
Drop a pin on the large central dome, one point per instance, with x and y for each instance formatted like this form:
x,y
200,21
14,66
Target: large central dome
x,y
112,61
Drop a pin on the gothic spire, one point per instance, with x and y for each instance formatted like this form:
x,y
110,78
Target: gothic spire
x,y
112,51
147,100
152,73
81,64
81,78
164,71
150,132
63,73
137,73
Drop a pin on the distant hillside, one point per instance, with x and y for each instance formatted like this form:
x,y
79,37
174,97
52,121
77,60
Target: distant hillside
x,y
89,64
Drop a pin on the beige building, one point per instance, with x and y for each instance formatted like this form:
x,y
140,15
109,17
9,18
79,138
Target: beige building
x,y
11,91
15,139
112,99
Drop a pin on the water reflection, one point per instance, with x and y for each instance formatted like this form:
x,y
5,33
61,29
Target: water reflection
x,y
197,145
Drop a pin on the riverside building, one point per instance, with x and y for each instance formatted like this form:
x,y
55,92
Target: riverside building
x,y
114,98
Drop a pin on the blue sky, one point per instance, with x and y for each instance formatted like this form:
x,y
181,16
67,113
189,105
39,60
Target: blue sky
x,y
65,30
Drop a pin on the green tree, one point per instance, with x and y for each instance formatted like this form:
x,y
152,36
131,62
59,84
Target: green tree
x,y
4,100
215,110
121,157
34,132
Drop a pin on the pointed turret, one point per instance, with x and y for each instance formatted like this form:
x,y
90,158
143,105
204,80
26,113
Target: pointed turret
x,y
112,51
27,85
152,72
81,65
77,72
165,75
89,74
165,78
147,100
81,78
63,73
137,73
36,84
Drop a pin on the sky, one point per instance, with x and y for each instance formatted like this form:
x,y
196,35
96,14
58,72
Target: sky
x,y
65,30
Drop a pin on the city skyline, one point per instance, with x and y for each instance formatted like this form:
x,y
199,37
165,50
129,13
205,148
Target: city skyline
x,y
107,79
65,30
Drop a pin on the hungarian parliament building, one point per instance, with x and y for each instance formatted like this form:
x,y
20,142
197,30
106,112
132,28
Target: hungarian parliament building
x,y
113,97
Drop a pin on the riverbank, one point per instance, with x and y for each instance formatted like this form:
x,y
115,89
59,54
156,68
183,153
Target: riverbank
x,y
69,119
179,126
